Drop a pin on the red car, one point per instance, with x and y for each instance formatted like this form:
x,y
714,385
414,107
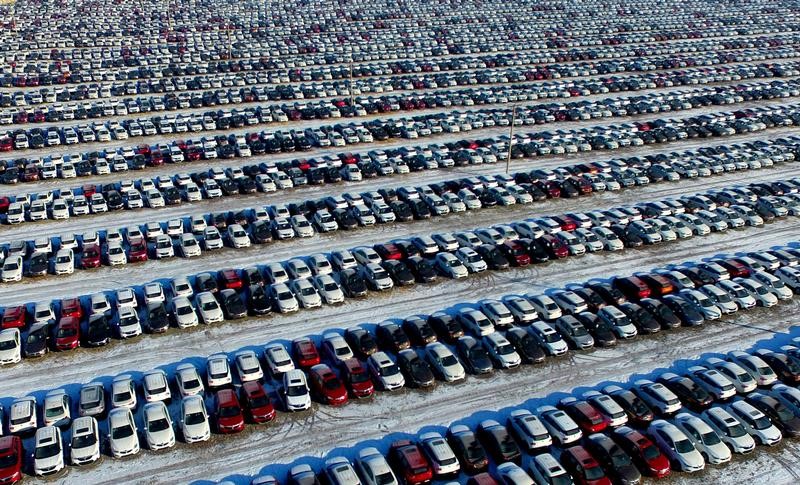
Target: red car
x,y
229,278
138,250
6,144
5,203
633,287
91,256
515,253
583,467
554,246
584,414
357,378
256,402
305,352
482,479
644,452
567,223
735,268
328,388
11,457
407,458
89,190
71,307
229,413
68,333
659,285
388,251
14,317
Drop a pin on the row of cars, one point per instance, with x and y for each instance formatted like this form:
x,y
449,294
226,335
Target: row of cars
x,y
619,434
320,279
364,363
339,135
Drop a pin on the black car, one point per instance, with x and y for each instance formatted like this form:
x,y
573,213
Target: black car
x,y
98,331
494,258
593,301
630,239
399,272
600,330
787,367
416,370
687,390
644,321
637,410
402,211
38,264
684,310
447,327
468,449
258,300
206,282
662,313
260,230
420,209
499,442
526,345
391,337
407,248
474,356
613,459
37,341
361,341
536,250
419,330
608,293
786,419
157,318
422,269
352,283
344,219
232,304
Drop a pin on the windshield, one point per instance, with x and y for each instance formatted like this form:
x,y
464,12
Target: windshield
x,y
82,441
122,432
158,425
47,451
295,391
194,418
683,446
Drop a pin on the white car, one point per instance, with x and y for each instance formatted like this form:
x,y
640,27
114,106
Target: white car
x,y
620,324
740,296
729,429
336,347
295,392
10,346
188,245
188,380
128,323
56,408
301,226
377,277
153,293
476,322
755,366
85,443
501,351
164,248
283,297
328,289
548,338
439,453
297,268
248,366
374,469
64,262
123,438
12,269
218,371
238,236
155,386
212,238
702,303
774,284
545,306
755,423
658,396
194,422
704,438
451,266
471,259
48,451
305,293
546,469
385,371
444,362
123,392
278,359
561,427
158,431
529,430
184,313
758,291
608,407
720,298
676,446
208,307
742,381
